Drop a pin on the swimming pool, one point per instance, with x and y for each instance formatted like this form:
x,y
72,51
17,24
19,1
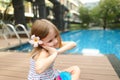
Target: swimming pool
x,y
103,41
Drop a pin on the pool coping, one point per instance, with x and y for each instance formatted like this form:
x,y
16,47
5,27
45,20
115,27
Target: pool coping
x,y
115,63
7,48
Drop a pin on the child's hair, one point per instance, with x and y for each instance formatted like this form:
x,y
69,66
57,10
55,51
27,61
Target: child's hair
x,y
41,28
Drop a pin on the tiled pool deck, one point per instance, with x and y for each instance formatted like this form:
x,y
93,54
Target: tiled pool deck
x,y
15,65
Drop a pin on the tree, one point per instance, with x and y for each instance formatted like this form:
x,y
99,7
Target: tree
x,y
58,11
109,11
95,15
39,9
19,12
84,16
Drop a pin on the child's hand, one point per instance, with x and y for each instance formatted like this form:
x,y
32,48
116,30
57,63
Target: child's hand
x,y
50,50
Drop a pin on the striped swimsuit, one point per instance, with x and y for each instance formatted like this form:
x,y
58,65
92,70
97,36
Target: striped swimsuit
x,y
49,74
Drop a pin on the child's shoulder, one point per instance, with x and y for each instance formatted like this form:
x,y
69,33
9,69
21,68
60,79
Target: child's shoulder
x,y
43,54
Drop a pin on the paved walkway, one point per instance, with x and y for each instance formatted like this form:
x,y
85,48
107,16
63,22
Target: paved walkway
x,y
11,42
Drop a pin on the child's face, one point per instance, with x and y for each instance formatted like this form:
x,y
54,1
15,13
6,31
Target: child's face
x,y
51,39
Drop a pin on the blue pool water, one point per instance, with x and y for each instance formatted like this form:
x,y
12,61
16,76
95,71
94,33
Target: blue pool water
x,y
106,41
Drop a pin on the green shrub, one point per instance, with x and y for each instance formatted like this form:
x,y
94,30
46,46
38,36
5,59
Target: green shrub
x,y
114,26
77,27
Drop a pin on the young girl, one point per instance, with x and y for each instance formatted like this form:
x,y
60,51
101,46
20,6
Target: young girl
x,y
47,44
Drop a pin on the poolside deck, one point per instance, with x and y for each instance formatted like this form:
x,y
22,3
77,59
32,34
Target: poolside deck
x,y
15,66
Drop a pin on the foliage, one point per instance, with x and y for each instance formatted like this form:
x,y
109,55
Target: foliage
x,y
84,16
109,10
107,13
94,13
77,27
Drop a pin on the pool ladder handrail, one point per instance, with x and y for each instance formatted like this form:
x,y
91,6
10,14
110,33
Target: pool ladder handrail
x,y
23,27
3,32
14,30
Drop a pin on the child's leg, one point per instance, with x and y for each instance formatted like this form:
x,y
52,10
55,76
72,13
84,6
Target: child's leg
x,y
75,72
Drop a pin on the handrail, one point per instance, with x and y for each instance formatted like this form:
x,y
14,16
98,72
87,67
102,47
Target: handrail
x,y
12,27
3,31
6,39
22,26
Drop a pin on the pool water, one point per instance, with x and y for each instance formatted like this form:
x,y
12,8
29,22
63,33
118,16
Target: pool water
x,y
104,41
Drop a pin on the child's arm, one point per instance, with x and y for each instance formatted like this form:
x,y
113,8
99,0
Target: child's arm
x,y
44,62
66,46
